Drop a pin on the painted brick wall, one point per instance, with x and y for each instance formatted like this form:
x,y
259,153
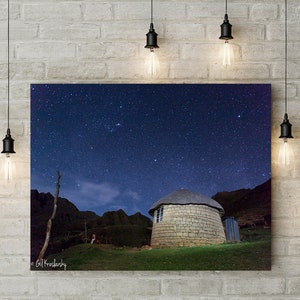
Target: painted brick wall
x,y
187,225
89,41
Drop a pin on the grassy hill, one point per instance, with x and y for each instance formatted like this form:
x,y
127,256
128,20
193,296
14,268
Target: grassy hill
x,y
71,228
252,254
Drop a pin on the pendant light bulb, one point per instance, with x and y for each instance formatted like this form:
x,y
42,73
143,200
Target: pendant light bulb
x,y
8,141
8,149
151,43
286,154
227,54
226,35
152,63
8,168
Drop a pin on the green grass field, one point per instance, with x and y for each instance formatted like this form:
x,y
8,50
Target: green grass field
x,y
253,253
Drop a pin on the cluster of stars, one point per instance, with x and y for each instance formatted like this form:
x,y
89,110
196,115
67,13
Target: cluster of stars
x,y
149,140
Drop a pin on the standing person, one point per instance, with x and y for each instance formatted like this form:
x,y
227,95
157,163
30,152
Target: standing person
x,y
93,238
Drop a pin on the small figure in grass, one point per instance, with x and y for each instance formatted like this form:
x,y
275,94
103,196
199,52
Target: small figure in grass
x,y
93,238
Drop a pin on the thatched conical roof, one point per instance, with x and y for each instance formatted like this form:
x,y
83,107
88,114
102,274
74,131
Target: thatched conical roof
x,y
184,197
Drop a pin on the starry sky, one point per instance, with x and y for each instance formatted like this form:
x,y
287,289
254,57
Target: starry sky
x,y
124,146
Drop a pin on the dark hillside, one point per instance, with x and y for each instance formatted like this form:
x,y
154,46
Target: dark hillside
x,y
250,206
71,226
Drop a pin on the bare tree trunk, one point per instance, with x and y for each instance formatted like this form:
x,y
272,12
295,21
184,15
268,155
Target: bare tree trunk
x,y
49,223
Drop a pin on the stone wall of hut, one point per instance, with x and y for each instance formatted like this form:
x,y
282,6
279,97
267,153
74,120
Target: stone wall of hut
x,y
187,225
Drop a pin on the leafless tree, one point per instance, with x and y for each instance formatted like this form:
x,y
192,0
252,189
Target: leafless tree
x,y
49,223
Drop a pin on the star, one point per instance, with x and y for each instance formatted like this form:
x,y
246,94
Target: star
x,y
118,137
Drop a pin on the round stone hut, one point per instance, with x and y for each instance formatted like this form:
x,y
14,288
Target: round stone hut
x,y
186,218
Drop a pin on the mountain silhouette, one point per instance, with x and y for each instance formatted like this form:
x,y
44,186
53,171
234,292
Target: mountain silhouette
x,y
250,206
72,226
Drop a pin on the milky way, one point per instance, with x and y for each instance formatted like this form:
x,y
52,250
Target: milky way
x,y
127,145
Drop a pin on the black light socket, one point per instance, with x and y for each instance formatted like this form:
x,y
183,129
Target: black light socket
x,y
151,38
8,143
286,128
226,29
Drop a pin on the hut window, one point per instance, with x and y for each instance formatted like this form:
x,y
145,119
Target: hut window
x,y
159,214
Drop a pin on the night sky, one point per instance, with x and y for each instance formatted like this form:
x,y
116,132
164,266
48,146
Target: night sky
x,y
124,146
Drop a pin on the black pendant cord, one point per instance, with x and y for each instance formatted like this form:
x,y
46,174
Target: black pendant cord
x,y
226,27
151,11
8,63
285,61
8,141
151,40
286,126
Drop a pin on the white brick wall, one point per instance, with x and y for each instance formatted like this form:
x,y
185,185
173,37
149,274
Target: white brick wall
x,y
103,41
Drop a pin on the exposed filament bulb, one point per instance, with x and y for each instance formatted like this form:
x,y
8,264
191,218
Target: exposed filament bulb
x,y
286,155
8,168
152,63
227,54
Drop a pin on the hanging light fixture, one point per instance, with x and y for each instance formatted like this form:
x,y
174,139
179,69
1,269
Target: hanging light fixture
x,y
8,141
286,152
226,35
151,43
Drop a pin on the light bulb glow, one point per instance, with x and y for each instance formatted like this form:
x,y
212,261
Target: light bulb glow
x,y
152,63
226,54
286,155
8,167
